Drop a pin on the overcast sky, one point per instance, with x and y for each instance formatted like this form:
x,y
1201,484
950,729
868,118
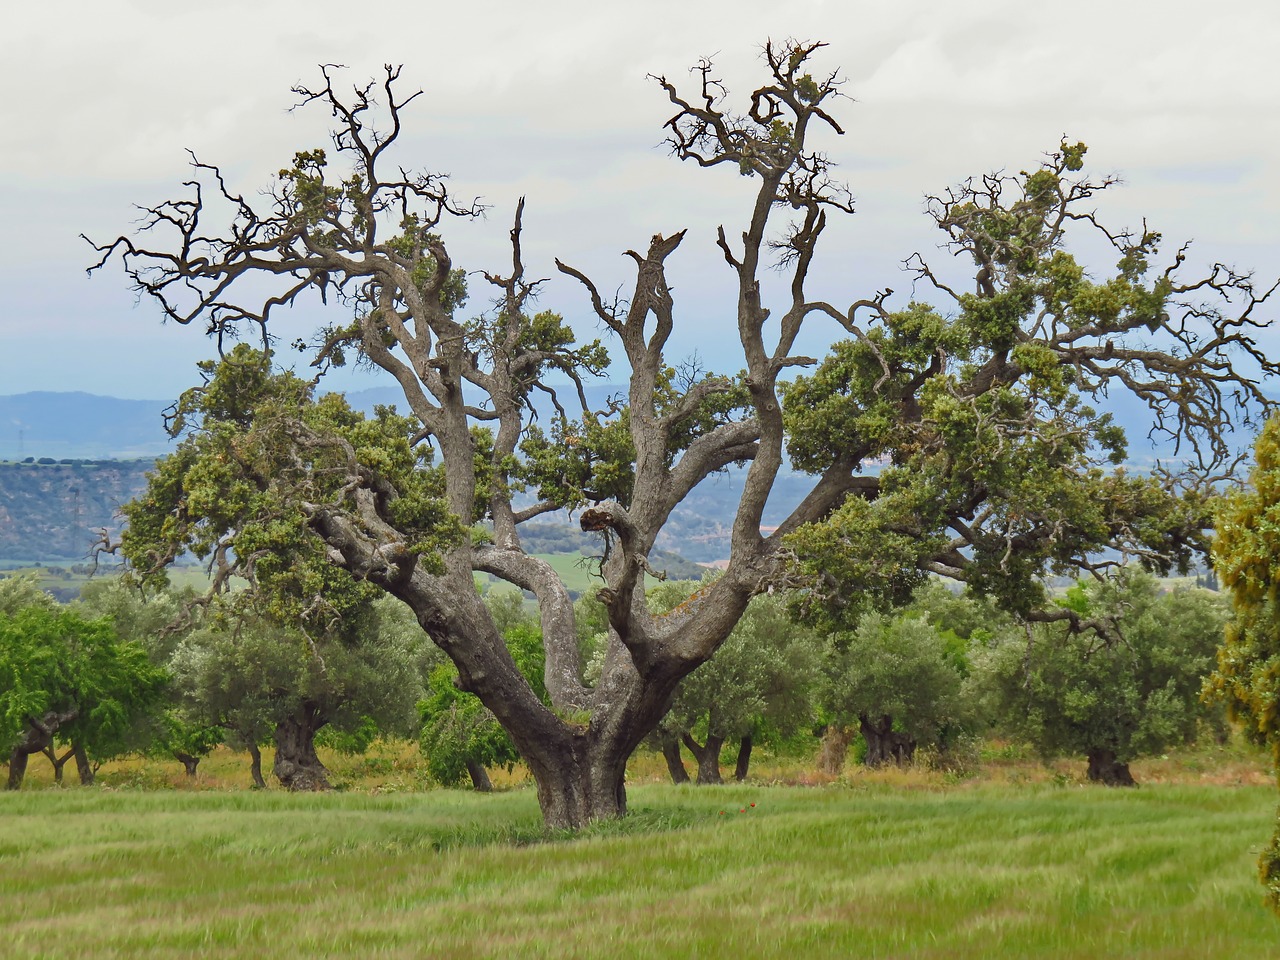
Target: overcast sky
x,y
550,100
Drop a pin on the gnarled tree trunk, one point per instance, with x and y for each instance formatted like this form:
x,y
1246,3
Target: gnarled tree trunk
x,y
39,736
58,762
708,757
189,762
884,744
479,776
83,767
675,764
297,766
744,759
1104,768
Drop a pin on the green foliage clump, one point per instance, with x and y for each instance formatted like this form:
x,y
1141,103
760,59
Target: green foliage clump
x,y
1246,553
1080,693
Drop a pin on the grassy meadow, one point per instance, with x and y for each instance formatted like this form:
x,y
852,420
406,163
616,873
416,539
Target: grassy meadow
x,y
1020,861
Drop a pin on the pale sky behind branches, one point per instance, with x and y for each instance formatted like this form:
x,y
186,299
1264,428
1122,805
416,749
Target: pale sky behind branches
x,y
550,101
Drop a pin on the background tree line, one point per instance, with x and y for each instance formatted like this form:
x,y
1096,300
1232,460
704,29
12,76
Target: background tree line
x,y
120,672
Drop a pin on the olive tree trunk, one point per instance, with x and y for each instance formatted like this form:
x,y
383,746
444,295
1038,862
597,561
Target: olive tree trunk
x,y
675,764
297,766
479,777
744,758
189,762
708,757
1104,768
255,765
884,744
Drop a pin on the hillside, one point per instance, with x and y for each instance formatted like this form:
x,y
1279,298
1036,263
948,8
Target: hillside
x,y
51,511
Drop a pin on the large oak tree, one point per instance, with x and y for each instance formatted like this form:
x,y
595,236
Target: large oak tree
x,y
978,406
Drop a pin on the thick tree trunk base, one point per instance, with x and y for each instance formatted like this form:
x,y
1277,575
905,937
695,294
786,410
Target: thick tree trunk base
x,y
479,777
575,794
296,765
675,764
189,763
1104,768
744,759
884,744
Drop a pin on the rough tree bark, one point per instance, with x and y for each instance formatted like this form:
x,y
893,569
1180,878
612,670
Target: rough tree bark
x,y
189,762
884,744
1104,768
296,765
479,777
675,763
744,758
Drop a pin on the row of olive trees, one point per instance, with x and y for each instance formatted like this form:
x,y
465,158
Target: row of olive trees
x,y
949,668
935,675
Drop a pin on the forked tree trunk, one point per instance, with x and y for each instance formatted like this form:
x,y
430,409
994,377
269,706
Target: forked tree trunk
x,y
83,767
744,759
58,762
296,765
479,777
189,763
255,766
1104,768
39,735
675,764
708,757
834,749
884,744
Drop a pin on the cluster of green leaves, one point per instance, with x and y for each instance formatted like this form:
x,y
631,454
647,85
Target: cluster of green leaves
x,y
54,662
909,667
257,450
1246,552
761,681
592,458
977,423
1077,693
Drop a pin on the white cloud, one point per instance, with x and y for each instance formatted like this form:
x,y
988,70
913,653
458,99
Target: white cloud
x,y
550,100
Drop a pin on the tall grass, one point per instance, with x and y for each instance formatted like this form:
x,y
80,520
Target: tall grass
x,y
982,871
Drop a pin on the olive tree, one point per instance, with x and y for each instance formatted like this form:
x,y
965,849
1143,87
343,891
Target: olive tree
x,y
897,680
64,677
977,404
1079,695
762,681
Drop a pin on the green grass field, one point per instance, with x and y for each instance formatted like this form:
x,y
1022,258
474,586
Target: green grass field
x,y
855,869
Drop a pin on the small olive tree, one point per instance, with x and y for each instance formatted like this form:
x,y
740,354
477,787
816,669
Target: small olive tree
x,y
1078,694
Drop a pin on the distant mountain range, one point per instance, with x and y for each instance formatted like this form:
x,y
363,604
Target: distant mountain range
x,y
52,509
